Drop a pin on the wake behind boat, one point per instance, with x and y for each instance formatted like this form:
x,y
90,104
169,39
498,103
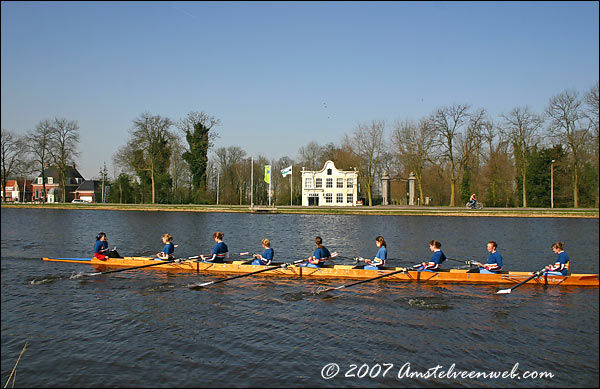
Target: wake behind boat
x,y
341,271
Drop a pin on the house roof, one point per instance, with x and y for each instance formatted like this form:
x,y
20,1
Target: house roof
x,y
19,183
70,174
329,165
89,186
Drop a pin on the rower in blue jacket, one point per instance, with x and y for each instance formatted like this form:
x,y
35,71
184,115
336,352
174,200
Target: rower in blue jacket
x,y
220,251
379,260
436,259
494,261
319,257
167,252
266,257
561,266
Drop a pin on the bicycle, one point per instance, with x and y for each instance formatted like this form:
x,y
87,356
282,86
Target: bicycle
x,y
477,205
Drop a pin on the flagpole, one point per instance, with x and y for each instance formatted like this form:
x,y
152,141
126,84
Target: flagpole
x,y
252,182
291,186
270,179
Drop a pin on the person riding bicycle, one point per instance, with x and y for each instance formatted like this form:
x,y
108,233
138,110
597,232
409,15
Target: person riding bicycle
x,y
472,200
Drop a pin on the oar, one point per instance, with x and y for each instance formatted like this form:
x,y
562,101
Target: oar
x,y
361,259
402,270
138,267
470,263
244,254
345,257
535,274
285,265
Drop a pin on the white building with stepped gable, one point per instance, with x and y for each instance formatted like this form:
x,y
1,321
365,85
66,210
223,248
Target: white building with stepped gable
x,y
329,187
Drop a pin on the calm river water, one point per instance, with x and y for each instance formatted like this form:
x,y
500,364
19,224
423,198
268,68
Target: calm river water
x,y
145,328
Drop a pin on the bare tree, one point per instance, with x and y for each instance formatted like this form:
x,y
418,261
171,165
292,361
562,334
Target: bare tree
x,y
412,142
11,155
64,139
310,156
37,143
232,166
591,113
180,171
521,128
498,173
149,148
565,113
447,123
367,144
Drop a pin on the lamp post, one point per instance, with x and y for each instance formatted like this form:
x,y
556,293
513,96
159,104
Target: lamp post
x,y
552,184
218,176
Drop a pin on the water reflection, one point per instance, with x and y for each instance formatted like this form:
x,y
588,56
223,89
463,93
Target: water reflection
x,y
134,323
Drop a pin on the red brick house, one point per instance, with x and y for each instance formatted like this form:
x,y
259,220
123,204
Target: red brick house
x,y
14,190
53,185
90,191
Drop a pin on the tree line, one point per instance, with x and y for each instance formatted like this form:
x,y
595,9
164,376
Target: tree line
x,y
454,151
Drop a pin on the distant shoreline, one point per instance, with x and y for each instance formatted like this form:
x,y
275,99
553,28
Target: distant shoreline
x,y
590,213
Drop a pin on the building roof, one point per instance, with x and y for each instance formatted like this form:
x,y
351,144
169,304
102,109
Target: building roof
x,y
19,184
89,186
329,164
70,175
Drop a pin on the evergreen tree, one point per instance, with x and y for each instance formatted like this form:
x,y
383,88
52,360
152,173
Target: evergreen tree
x,y
197,156
197,129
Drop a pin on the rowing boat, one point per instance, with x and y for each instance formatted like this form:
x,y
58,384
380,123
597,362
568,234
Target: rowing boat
x,y
343,272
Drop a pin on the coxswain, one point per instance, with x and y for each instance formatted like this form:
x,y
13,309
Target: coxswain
x,y
101,247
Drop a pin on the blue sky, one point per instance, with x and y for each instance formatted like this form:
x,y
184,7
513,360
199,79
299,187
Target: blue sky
x,y
281,74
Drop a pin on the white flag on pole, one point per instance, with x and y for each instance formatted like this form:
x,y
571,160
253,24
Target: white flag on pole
x,y
286,171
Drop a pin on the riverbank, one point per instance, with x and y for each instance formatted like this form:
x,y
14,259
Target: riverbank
x,y
363,210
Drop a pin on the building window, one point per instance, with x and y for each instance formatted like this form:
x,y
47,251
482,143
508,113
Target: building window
x,y
328,172
339,198
329,198
339,183
329,183
349,198
318,182
350,183
40,180
308,183
50,180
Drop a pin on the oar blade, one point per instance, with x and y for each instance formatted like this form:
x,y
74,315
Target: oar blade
x,y
324,290
199,286
503,291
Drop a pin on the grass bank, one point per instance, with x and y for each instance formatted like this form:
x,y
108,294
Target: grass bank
x,y
376,210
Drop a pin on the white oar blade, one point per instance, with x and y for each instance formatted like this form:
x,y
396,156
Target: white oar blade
x,y
503,291
324,290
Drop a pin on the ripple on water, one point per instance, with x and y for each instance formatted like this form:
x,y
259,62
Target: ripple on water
x,y
146,328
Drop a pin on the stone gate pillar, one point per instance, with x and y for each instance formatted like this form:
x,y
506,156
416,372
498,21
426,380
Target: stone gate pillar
x,y
385,189
411,188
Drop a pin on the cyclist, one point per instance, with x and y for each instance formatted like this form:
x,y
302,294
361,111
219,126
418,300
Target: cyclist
x,y
473,201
